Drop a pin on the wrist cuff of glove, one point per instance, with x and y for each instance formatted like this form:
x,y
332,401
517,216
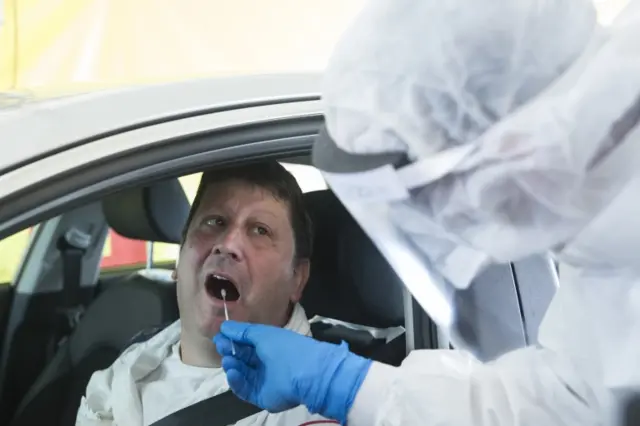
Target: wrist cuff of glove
x,y
344,385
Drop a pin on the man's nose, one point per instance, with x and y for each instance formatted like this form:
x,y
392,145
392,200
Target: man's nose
x,y
230,244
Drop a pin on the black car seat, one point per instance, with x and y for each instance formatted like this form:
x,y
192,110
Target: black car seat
x,y
351,282
139,301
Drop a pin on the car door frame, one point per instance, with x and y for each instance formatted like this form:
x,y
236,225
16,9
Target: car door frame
x,y
140,155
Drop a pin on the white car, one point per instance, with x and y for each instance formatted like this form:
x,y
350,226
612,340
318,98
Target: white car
x,y
75,168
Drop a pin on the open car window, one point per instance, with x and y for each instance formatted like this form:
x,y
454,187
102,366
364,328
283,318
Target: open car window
x,y
120,252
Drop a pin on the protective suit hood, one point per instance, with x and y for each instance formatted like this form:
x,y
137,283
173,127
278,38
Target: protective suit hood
x,y
504,129
482,141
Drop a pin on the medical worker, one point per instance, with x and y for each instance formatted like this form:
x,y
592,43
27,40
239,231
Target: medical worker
x,y
461,133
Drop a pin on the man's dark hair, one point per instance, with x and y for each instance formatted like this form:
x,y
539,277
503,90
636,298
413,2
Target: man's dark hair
x,y
273,177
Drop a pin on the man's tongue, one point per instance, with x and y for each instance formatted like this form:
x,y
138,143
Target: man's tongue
x,y
215,284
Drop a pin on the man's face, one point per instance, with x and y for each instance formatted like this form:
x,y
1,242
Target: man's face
x,y
240,239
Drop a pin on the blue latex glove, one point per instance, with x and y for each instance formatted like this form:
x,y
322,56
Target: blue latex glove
x,y
277,369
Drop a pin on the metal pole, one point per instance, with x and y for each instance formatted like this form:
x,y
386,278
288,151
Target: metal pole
x,y
149,254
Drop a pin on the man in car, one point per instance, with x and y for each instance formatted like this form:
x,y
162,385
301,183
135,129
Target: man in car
x,y
249,235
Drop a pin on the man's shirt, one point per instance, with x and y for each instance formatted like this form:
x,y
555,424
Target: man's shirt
x,y
149,381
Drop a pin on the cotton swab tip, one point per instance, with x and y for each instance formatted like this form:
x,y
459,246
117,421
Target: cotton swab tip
x,y
226,315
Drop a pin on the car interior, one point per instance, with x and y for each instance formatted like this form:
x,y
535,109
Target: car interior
x,y
69,320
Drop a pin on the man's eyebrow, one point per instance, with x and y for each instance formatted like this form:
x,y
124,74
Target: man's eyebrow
x,y
267,212
203,211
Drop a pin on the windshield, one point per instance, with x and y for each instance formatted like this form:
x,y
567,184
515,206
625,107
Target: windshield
x,y
71,46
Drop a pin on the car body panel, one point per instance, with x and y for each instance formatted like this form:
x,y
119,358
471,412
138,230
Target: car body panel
x,y
76,156
34,129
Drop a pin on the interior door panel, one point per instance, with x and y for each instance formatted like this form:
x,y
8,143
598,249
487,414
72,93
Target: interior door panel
x,y
29,326
6,296
31,345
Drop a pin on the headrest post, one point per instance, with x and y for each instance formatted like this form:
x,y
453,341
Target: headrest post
x,y
149,254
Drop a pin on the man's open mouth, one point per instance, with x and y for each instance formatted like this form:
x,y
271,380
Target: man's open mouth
x,y
216,283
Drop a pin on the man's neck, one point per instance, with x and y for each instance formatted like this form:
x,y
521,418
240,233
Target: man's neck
x,y
198,351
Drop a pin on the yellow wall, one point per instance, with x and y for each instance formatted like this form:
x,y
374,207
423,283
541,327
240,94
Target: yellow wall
x,y
11,251
75,45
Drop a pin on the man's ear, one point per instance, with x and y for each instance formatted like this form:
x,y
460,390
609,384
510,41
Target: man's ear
x,y
300,276
174,273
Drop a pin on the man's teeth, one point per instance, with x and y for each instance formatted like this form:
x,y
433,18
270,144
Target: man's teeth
x,y
216,283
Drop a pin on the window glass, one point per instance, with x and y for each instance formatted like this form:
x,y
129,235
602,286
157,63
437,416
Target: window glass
x,y
122,252
190,185
309,178
13,249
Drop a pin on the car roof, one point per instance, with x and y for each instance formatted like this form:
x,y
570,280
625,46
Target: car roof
x,y
34,129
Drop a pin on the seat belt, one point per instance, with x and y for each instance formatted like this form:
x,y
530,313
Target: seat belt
x,y
227,409
221,410
72,246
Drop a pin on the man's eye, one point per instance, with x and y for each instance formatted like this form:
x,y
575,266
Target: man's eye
x,y
215,221
260,230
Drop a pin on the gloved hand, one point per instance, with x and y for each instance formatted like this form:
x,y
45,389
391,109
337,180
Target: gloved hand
x,y
277,369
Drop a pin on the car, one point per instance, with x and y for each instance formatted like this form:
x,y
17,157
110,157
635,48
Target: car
x,y
79,170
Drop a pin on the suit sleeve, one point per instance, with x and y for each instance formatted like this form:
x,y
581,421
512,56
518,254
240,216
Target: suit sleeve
x,y
445,387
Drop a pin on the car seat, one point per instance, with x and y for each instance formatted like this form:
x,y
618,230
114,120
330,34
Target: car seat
x,y
138,301
351,282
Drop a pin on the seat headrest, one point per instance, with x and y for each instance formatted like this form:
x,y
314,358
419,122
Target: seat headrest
x,y
156,212
350,280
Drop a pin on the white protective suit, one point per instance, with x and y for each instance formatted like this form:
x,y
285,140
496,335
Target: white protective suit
x,y
519,119
149,381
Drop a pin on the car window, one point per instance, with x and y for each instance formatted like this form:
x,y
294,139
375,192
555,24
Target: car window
x,y
120,252
13,249
309,178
